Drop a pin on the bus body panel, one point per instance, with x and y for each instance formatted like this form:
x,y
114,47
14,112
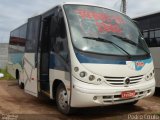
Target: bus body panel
x,y
81,89
30,74
118,70
133,68
59,75
85,95
16,50
11,68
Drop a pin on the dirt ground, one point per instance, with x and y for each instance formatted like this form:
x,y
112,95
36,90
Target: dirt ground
x,y
15,103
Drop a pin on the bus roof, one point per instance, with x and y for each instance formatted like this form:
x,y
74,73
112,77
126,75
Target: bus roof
x,y
81,3
72,3
90,4
19,27
46,13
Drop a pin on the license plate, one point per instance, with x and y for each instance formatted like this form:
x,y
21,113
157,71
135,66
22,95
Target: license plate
x,y
128,94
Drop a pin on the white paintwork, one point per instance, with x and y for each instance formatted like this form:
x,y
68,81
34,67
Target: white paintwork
x,y
12,69
30,74
83,93
117,70
79,95
59,75
100,89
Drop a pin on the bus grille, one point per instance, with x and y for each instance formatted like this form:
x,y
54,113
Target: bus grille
x,y
117,97
120,81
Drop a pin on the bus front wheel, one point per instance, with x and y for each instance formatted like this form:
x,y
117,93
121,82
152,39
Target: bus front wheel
x,y
62,100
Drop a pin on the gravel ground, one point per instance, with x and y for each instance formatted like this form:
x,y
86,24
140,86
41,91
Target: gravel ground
x,y
15,103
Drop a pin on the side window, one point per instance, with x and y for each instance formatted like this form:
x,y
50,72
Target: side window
x,y
14,41
60,46
32,34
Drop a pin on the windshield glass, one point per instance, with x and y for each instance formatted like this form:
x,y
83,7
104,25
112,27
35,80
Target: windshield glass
x,y
88,24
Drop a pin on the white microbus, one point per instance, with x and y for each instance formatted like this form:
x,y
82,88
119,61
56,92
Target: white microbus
x,y
82,56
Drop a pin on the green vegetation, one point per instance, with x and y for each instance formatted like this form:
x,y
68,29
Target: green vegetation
x,y
158,114
7,76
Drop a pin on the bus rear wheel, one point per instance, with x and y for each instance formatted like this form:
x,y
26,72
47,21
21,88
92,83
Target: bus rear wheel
x,y
21,85
62,100
17,76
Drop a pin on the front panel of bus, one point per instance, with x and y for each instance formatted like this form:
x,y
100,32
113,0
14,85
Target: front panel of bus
x,y
110,60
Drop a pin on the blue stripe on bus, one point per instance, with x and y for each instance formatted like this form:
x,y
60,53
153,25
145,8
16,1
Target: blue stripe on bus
x,y
88,59
52,61
146,61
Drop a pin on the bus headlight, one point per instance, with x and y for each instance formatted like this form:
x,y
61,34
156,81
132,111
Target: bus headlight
x,y
99,79
150,76
86,76
76,69
82,74
91,77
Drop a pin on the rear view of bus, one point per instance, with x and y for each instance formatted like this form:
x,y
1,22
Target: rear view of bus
x,y
110,61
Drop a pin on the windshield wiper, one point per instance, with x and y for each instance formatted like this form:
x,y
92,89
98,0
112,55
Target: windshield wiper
x,y
108,41
131,42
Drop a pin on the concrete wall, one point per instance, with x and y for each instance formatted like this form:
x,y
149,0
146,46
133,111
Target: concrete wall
x,y
3,55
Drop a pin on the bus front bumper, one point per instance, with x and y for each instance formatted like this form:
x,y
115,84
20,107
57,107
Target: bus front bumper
x,y
87,95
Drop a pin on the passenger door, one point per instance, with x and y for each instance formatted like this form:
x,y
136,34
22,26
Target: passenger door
x,y
31,56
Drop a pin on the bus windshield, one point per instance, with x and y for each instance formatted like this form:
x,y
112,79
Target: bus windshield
x,y
90,24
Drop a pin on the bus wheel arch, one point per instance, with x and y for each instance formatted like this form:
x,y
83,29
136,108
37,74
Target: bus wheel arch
x,y
20,84
61,97
17,74
55,85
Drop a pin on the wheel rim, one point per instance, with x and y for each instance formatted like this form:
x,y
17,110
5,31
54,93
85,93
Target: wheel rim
x,y
63,99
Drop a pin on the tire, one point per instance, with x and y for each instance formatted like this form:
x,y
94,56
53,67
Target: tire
x,y
62,100
21,85
17,77
132,103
